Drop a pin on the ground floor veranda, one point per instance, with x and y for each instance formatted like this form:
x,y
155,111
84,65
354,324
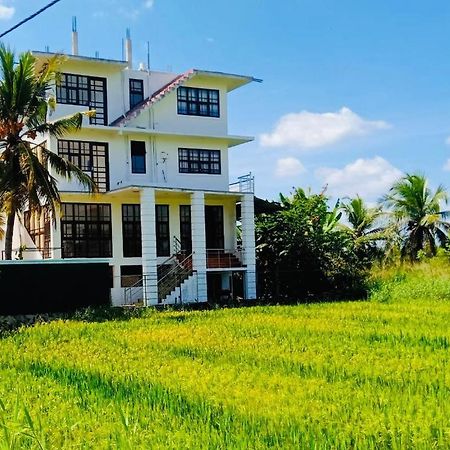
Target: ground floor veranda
x,y
192,254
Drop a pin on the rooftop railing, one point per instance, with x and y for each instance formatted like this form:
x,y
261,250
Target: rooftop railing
x,y
244,183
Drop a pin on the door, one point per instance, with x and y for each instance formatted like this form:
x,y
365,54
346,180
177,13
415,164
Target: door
x,y
214,227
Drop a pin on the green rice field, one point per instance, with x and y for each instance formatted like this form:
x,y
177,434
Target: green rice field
x,y
372,374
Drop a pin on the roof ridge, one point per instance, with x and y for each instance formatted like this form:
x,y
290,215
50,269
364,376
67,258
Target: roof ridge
x,y
156,96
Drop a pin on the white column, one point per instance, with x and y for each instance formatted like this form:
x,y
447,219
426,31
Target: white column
x,y
248,244
149,260
199,243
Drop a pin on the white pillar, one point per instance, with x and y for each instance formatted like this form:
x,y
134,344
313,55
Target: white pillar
x,y
248,244
199,243
149,260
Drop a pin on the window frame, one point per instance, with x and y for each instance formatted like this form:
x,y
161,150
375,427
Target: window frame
x,y
74,87
77,158
38,225
134,91
162,231
131,239
144,148
191,101
190,161
102,228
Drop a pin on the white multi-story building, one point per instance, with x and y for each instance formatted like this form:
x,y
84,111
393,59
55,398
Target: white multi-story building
x,y
165,215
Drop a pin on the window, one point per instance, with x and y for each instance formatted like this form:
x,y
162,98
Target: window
x,y
37,224
191,160
136,92
162,230
185,228
130,276
84,91
137,157
86,230
131,230
90,157
198,102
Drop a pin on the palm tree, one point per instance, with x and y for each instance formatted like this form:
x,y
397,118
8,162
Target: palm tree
x,y
417,211
371,237
26,180
362,220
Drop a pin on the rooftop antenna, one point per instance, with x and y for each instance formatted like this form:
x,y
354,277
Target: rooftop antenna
x,y
148,56
74,36
128,49
123,50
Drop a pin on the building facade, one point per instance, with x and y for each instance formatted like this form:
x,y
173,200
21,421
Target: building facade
x,y
164,215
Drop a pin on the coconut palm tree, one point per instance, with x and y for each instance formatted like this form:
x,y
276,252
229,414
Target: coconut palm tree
x,y
417,211
371,237
27,168
363,220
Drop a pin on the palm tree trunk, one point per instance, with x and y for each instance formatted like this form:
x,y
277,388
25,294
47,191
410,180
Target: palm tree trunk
x,y
9,234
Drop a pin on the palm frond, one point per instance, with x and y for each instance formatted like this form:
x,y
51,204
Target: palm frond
x,y
64,168
62,126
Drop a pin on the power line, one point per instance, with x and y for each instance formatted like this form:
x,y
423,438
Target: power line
x,y
29,18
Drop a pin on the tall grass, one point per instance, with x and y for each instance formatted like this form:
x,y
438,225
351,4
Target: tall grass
x,y
369,374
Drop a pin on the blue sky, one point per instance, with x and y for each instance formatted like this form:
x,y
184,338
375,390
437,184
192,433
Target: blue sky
x,y
354,92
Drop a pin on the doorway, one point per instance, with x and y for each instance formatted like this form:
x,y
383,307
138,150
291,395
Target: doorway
x,y
214,227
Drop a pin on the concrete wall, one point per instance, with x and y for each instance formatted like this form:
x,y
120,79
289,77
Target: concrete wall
x,y
163,115
117,81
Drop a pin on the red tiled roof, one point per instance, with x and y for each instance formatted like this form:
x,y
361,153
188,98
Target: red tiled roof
x,y
155,97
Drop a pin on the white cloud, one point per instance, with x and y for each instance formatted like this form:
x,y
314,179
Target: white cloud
x,y
289,167
447,140
447,165
370,178
6,12
306,129
149,3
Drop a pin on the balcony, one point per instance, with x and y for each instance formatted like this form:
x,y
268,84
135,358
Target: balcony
x,y
245,183
224,259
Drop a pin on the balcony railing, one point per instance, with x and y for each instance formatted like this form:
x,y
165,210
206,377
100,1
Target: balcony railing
x,y
245,183
224,259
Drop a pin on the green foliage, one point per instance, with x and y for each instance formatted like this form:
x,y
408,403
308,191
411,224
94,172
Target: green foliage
x,y
332,375
412,282
416,210
302,251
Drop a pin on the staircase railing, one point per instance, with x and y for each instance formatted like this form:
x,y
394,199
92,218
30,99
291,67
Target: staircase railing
x,y
174,277
135,292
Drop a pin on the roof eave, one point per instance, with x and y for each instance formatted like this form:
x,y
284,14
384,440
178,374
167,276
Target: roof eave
x,y
88,59
234,80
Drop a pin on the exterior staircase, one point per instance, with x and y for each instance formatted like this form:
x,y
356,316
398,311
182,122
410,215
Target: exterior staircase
x,y
172,278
